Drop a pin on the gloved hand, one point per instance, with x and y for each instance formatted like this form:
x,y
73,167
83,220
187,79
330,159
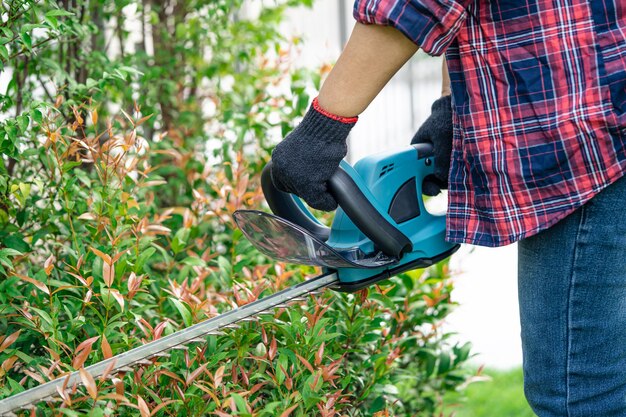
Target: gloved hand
x,y
306,159
437,130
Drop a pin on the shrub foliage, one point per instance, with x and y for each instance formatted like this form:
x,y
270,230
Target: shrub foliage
x,y
131,130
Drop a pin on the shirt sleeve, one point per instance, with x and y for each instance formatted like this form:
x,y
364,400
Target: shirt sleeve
x,y
430,24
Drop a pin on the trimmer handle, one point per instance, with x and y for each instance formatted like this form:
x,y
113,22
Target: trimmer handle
x,y
290,207
385,236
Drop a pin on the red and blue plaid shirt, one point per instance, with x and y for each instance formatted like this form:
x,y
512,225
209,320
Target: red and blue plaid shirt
x,y
539,98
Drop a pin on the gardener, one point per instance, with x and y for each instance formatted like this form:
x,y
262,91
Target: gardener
x,y
532,146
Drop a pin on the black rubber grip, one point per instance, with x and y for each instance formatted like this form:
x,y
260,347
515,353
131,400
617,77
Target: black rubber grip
x,y
283,205
366,217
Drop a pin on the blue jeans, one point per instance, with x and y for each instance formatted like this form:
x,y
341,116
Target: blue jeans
x,y
572,296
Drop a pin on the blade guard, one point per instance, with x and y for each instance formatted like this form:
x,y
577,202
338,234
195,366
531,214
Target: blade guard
x,y
353,198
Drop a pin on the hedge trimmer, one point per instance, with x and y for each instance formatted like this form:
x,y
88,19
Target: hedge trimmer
x,y
380,229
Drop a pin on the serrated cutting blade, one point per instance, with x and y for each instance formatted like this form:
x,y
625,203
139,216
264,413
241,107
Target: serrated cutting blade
x,y
138,356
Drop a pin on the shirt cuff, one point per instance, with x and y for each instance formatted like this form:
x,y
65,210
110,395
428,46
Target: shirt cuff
x,y
430,24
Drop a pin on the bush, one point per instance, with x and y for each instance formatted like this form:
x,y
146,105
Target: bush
x,y
119,175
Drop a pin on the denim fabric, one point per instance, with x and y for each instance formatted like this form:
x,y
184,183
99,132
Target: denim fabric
x,y
572,294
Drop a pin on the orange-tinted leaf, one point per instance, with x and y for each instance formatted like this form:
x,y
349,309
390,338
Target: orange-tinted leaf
x,y
271,353
108,273
319,355
7,341
106,258
107,371
89,383
34,376
118,297
64,395
8,363
219,374
143,119
113,396
82,352
118,256
132,122
106,348
163,404
143,407
306,363
40,285
119,386
192,376
49,264
86,344
87,216
288,411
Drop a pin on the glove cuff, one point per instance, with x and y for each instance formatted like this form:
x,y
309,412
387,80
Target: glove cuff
x,y
342,119
330,128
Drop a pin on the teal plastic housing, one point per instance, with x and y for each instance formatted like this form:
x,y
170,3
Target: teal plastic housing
x,y
379,178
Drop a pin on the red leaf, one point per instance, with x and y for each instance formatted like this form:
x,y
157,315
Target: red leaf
x,y
89,383
40,285
106,258
319,355
288,411
143,407
7,341
219,374
271,353
49,264
108,273
106,348
306,363
82,352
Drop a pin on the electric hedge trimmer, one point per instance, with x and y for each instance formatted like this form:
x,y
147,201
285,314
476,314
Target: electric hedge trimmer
x,y
380,229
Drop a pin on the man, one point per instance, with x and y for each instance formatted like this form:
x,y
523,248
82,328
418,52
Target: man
x,y
537,153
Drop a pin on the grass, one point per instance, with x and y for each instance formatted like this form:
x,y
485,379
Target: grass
x,y
502,396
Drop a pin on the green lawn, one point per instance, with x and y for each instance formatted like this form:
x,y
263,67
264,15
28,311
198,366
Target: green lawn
x,y
502,396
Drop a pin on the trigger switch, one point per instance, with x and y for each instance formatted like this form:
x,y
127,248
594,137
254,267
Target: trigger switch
x,y
404,205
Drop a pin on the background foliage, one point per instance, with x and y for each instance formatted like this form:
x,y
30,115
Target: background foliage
x,y
130,132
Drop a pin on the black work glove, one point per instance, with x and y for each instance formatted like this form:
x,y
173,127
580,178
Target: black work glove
x,y
306,159
437,130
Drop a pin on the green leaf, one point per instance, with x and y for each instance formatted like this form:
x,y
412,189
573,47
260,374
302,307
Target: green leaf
x,y
16,388
183,310
4,52
45,316
36,115
193,261
27,40
58,12
143,258
180,240
22,122
240,403
16,241
9,252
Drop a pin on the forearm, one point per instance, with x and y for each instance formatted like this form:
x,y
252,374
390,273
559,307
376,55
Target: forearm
x,y
371,57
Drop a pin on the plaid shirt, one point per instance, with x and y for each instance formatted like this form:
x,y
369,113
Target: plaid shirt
x,y
539,99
